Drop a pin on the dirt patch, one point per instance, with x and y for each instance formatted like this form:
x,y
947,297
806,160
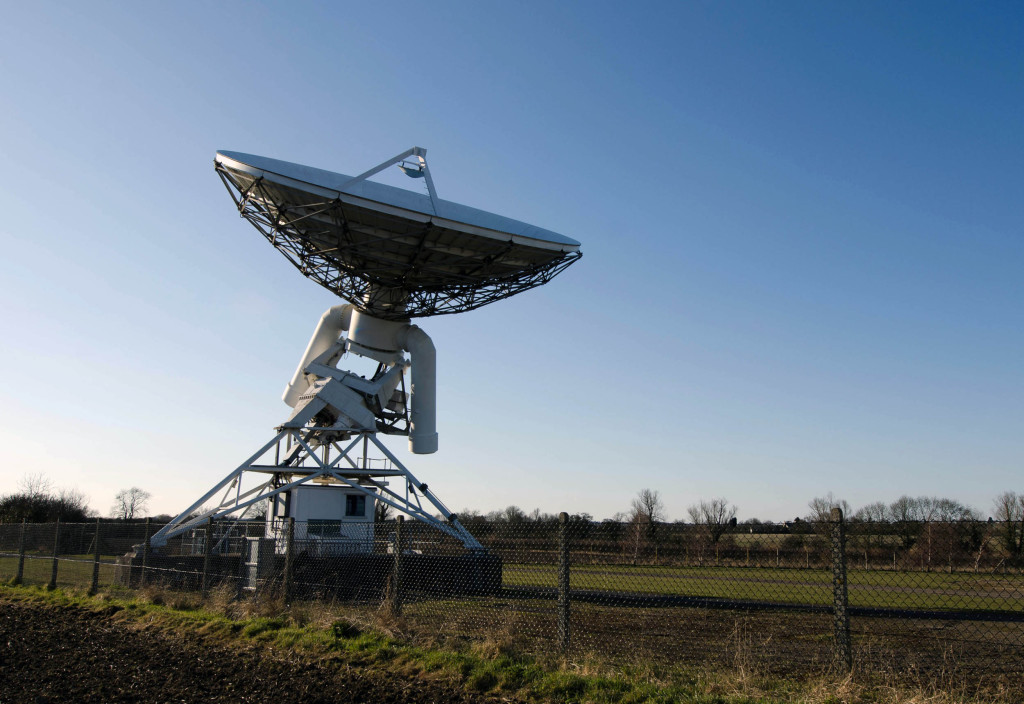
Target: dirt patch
x,y
50,654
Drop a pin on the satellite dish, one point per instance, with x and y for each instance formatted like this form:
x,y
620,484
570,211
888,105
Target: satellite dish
x,y
394,253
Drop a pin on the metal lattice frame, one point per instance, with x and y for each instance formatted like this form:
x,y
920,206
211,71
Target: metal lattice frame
x,y
306,457
358,260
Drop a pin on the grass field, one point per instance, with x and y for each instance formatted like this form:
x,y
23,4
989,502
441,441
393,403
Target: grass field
x,y
937,591
72,570
867,588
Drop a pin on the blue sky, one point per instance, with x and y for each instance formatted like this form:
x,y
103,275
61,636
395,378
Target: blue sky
x,y
801,226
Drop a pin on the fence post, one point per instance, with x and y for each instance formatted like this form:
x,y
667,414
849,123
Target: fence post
x,y
563,580
96,561
288,553
396,576
56,542
145,557
207,552
21,554
841,616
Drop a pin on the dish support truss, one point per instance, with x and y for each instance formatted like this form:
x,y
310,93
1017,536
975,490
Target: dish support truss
x,y
297,456
336,411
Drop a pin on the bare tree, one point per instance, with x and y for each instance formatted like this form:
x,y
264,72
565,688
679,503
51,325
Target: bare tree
x,y
928,508
1009,511
933,512
72,502
256,511
509,514
877,512
382,511
646,512
129,502
715,516
36,485
867,526
958,530
821,508
905,514
513,514
37,502
648,506
466,516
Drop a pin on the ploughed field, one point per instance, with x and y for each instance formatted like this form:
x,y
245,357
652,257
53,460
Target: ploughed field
x,y
51,654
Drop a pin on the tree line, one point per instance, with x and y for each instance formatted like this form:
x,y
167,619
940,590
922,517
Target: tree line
x,y
933,527
38,501
929,529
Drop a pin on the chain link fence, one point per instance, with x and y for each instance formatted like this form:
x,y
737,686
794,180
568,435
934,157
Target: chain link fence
x,y
928,599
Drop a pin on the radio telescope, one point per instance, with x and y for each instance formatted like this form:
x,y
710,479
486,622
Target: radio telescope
x,y
393,254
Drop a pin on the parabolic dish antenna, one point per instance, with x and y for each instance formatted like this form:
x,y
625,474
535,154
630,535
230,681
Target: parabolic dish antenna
x,y
393,253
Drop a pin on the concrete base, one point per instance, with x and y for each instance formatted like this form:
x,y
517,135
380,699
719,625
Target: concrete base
x,y
358,577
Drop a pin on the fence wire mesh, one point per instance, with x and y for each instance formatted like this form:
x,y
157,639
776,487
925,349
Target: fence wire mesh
x,y
921,598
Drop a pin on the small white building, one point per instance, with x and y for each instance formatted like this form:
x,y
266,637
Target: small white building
x,y
329,520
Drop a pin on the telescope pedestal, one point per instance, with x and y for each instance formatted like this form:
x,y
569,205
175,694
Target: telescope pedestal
x,y
297,456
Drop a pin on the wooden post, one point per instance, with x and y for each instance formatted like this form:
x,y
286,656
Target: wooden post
x,y
207,552
563,580
396,575
56,543
288,557
96,561
21,555
145,556
841,615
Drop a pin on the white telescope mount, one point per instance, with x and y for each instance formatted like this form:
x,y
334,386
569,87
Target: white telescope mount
x,y
337,415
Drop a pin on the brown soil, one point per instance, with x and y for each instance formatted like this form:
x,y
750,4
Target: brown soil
x,y
51,654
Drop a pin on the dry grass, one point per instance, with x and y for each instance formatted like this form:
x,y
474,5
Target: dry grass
x,y
853,688
495,645
159,595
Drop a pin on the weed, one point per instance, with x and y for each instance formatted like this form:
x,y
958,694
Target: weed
x,y
494,646
184,601
343,629
258,626
482,681
154,594
221,598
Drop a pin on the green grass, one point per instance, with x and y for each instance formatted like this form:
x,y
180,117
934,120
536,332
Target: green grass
x,y
72,570
939,591
867,588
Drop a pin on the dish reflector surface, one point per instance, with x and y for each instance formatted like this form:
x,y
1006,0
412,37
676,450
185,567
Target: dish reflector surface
x,y
392,252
